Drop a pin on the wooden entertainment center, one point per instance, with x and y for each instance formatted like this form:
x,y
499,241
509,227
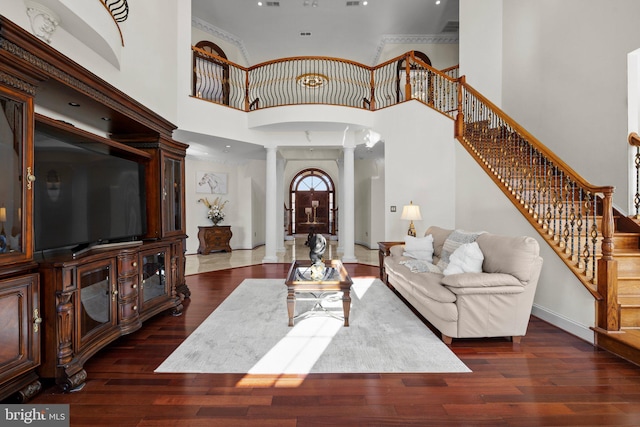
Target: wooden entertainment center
x,y
57,307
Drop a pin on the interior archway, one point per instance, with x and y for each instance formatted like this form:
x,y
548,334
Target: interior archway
x,y
312,201
216,87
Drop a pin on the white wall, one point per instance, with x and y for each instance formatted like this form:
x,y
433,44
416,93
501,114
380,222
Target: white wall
x,y
246,200
419,166
148,69
565,81
481,41
369,202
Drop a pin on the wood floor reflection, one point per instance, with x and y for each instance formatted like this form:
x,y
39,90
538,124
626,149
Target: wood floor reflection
x,y
551,378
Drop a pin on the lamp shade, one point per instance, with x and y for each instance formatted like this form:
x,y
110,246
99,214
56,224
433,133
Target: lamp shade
x,y
3,214
411,212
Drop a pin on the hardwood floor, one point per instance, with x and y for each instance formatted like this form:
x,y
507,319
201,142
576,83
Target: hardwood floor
x,y
551,378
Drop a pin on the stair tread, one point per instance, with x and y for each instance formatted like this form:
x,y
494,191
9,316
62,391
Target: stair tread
x,y
626,252
629,300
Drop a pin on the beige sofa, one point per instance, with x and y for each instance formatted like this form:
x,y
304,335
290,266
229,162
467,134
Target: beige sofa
x,y
493,303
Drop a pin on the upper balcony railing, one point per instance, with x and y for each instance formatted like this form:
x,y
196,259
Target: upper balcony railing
x,y
119,9
323,80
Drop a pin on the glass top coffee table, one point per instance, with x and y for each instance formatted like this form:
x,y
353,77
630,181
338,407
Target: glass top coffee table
x,y
335,279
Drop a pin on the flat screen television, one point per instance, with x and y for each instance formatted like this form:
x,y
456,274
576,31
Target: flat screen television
x,y
85,195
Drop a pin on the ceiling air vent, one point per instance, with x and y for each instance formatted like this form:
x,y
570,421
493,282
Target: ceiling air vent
x,y
273,4
353,3
451,27
305,34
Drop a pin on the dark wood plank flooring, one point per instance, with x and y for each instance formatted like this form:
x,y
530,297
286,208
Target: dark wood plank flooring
x,y
551,378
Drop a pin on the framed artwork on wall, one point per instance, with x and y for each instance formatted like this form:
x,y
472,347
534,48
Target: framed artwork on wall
x,y
211,182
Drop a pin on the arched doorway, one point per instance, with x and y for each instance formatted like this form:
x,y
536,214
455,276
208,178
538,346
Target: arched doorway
x,y
312,201
210,76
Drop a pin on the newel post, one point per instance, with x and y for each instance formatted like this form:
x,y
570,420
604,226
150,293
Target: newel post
x,y
608,313
459,125
407,68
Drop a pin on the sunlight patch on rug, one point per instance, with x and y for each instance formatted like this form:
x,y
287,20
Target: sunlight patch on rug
x,y
248,333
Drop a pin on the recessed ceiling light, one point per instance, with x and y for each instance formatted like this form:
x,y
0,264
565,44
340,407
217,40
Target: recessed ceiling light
x,y
74,104
228,146
259,3
364,3
437,1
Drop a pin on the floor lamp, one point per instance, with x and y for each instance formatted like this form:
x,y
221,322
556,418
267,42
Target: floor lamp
x,y
411,212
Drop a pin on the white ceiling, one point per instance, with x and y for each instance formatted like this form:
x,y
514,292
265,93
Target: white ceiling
x,y
337,30
357,33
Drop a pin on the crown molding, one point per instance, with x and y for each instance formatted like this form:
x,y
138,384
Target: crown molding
x,y
414,39
221,34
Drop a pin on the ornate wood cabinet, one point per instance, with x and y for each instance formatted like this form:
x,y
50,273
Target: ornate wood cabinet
x,y
94,298
214,238
20,314
57,309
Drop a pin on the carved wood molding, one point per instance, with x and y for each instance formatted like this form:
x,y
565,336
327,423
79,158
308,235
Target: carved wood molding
x,y
17,83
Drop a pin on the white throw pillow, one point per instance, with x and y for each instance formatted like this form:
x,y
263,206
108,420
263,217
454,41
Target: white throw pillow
x,y
419,247
467,258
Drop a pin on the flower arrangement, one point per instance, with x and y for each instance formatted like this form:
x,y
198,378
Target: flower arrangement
x,y
215,213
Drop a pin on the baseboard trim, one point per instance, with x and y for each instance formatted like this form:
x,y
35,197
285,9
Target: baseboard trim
x,y
581,331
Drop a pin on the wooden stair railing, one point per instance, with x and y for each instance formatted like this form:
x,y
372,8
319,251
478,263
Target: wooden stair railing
x,y
573,216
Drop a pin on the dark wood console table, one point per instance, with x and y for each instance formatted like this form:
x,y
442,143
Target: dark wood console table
x,y
214,238
383,251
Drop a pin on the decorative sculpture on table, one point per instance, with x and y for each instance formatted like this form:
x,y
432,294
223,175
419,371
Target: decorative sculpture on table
x,y
317,245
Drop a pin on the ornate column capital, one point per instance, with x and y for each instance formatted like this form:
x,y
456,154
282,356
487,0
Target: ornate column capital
x,y
44,21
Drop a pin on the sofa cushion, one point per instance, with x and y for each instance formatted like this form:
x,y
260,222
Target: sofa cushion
x,y
480,280
439,236
467,258
428,285
419,247
453,242
510,255
420,266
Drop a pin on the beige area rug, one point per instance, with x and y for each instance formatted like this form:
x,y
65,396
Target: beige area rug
x,y
248,333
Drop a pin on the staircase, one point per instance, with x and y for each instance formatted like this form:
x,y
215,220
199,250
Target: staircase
x,y
577,219
625,341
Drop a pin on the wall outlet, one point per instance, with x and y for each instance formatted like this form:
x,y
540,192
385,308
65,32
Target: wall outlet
x,y
393,208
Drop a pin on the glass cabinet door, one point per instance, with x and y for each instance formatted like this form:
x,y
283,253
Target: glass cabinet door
x,y
172,209
16,176
154,276
97,297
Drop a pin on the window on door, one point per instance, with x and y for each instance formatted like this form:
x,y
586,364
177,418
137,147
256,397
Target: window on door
x,y
312,203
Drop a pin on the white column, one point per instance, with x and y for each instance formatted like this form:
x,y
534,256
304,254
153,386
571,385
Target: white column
x,y
270,244
340,202
348,207
280,205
